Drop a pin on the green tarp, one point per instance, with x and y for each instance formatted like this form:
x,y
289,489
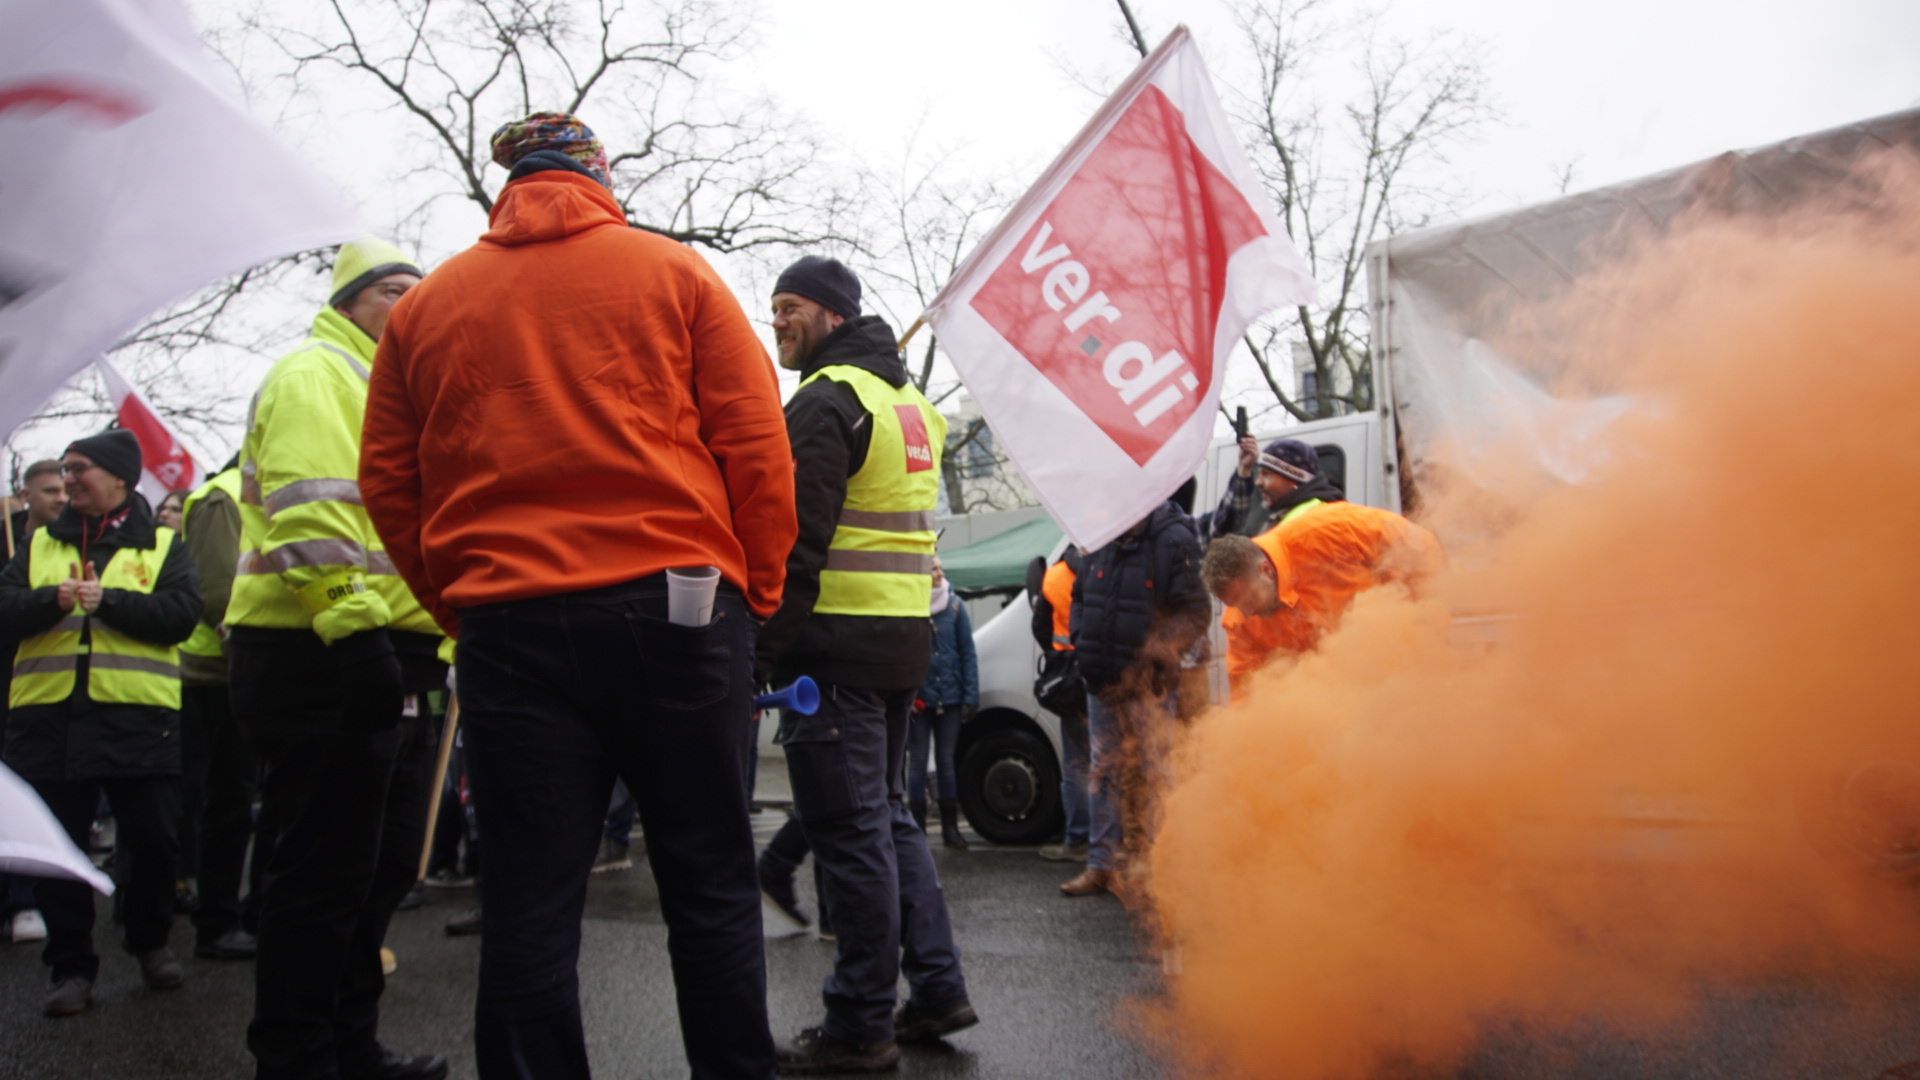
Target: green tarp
x,y
1000,561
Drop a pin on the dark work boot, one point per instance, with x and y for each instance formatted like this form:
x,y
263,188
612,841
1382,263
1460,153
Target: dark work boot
x,y
69,996
950,825
918,808
814,1051
160,969
915,1024
392,1066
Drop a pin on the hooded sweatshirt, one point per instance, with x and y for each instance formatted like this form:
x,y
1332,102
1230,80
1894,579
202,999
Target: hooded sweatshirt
x,y
569,404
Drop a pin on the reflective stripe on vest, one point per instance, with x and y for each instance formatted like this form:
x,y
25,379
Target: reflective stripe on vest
x,y
120,670
880,561
206,640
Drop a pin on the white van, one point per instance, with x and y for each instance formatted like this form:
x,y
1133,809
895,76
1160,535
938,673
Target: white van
x,y
1009,753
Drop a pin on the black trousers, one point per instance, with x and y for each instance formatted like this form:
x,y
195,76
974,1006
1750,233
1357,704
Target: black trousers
x,y
222,769
146,810
347,814
559,695
784,854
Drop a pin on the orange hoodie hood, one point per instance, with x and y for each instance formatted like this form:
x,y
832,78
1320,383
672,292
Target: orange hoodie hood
x,y
550,205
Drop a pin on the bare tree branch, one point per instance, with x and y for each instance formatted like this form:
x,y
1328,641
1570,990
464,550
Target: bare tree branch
x,y
1343,177
1133,28
686,162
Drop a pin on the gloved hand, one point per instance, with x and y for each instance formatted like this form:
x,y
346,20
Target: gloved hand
x,y
371,690
967,713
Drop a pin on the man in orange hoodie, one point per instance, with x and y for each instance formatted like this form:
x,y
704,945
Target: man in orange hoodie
x,y
559,415
1290,585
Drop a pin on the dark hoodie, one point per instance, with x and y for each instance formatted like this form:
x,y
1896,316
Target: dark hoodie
x,y
80,739
830,431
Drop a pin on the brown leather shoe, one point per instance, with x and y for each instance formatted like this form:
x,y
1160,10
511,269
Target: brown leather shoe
x,y
1089,882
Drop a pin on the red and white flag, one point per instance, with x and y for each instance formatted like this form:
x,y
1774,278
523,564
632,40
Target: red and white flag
x,y
1093,324
167,464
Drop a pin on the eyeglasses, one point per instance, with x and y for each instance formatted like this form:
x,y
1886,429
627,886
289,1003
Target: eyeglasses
x,y
74,470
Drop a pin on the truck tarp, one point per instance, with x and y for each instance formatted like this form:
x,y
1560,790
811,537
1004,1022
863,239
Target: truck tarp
x,y
1000,561
1439,294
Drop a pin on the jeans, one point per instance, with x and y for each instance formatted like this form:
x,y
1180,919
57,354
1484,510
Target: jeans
x,y
943,723
782,858
145,811
561,694
1130,740
1075,755
229,778
889,911
344,810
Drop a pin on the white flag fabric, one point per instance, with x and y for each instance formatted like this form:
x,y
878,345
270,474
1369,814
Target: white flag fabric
x,y
1093,325
33,843
130,178
166,463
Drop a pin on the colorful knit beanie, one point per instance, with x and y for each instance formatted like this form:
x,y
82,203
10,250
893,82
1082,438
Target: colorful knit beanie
x,y
550,131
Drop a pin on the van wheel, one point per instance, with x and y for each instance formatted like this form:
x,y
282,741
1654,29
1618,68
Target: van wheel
x,y
1010,787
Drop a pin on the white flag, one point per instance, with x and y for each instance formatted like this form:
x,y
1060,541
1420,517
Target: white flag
x,y
166,463
130,178
1093,325
33,843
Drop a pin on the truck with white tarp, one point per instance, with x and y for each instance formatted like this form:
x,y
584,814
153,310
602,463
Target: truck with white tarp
x,y
1445,399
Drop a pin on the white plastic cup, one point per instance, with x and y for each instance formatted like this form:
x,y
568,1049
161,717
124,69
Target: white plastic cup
x,y
690,595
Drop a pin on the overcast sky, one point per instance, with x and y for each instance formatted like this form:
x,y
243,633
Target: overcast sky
x,y
1615,90
1620,89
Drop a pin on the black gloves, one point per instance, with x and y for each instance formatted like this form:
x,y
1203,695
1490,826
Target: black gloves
x,y
372,692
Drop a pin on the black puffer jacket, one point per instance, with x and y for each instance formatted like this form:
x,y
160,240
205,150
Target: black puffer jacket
x,y
1138,603
80,739
830,432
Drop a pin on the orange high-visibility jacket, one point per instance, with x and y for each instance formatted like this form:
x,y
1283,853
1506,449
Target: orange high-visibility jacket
x,y
1058,589
1323,558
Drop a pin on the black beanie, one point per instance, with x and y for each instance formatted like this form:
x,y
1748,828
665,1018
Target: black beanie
x,y
824,281
115,450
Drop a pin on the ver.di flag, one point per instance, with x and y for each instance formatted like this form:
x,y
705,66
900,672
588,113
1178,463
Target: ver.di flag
x,y
167,466
131,178
1093,325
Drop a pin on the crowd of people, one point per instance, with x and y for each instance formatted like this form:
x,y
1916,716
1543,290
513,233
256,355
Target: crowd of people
x,y
515,453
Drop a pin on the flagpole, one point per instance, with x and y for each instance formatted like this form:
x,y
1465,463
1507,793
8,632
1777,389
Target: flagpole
x,y
447,732
911,330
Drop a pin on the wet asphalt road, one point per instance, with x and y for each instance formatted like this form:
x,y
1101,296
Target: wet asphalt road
x,y
1046,974
1051,978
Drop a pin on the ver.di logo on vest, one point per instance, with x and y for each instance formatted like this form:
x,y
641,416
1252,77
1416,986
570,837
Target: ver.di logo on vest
x,y
913,427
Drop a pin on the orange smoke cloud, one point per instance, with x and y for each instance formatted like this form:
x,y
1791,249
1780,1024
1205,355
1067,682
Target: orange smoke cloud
x,y
1692,743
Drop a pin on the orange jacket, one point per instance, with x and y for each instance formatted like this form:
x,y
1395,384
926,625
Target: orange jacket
x,y
1057,587
573,403
1323,558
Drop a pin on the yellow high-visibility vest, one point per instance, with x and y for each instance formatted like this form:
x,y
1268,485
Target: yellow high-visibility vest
x,y
1297,511
206,640
880,561
309,556
120,670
